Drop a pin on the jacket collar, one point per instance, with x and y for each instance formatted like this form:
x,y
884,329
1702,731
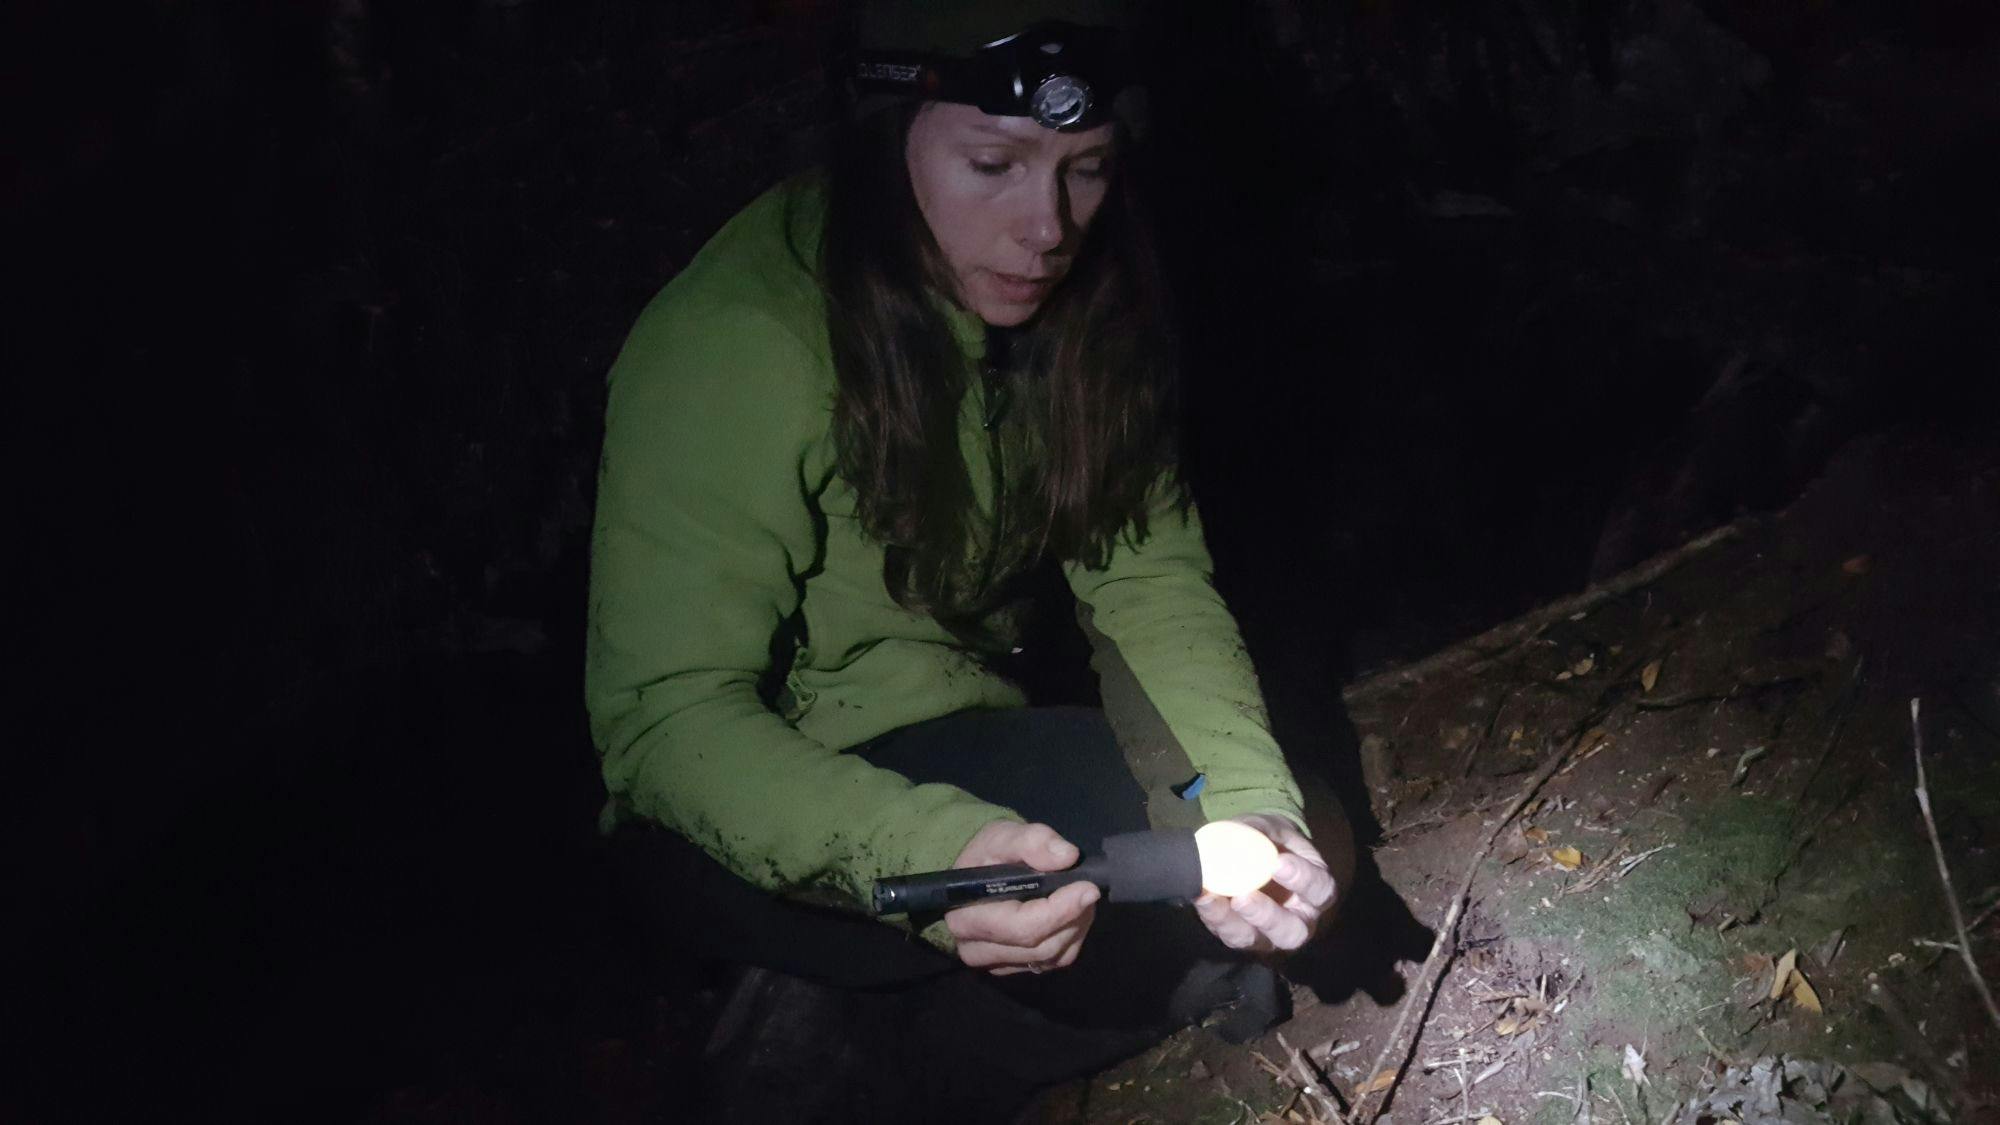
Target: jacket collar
x,y
967,330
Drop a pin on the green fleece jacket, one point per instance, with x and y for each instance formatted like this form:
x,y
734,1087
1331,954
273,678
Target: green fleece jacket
x,y
726,546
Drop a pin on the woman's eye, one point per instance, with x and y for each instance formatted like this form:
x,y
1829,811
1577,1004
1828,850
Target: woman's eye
x,y
990,168
1090,172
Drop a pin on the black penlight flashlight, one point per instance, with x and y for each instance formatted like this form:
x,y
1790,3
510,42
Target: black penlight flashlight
x,y
1158,866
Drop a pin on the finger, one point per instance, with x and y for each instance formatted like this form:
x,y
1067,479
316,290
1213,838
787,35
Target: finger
x,y
1023,924
1071,949
1298,843
1008,841
982,954
1310,882
1068,956
1281,927
1051,951
1043,952
1044,849
1058,950
1222,920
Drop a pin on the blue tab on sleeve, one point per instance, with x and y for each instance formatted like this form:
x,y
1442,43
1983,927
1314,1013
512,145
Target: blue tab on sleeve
x,y
1192,789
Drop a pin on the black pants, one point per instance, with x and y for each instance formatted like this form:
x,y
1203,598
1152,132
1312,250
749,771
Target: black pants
x,y
1145,967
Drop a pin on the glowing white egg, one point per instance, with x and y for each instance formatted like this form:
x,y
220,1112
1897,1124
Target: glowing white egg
x,y
1235,858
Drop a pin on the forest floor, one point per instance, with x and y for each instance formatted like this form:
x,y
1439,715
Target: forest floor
x,y
1718,899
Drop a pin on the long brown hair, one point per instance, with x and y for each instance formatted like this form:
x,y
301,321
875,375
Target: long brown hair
x,y
1093,381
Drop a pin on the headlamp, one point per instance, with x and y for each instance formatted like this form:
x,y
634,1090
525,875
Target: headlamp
x,y
1062,75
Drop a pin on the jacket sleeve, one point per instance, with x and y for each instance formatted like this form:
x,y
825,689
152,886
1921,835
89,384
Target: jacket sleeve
x,y
705,526
1179,651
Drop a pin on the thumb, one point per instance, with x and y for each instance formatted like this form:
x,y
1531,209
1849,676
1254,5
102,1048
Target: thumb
x,y
1049,851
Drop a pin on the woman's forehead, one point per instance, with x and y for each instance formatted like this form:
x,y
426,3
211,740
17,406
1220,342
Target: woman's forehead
x,y
965,124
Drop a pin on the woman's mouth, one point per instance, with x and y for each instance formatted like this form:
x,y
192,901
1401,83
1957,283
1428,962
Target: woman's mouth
x,y
1019,289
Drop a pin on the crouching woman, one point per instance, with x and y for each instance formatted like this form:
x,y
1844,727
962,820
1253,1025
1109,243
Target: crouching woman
x,y
834,444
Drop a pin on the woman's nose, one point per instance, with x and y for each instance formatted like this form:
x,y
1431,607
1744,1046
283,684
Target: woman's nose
x,y
1042,228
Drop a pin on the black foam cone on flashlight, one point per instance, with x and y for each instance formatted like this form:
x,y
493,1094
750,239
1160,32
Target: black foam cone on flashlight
x,y
1157,866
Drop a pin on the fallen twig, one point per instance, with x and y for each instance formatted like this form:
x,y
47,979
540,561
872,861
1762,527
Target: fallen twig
x,y
1311,1081
1604,872
1740,690
1440,818
1983,915
1944,872
1460,1059
1596,874
1621,1104
1915,1045
1485,733
1447,929
1502,639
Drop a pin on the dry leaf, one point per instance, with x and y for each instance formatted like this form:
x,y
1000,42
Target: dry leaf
x,y
1383,1080
1635,1066
1509,1025
1563,676
1583,667
1649,675
1782,978
1568,858
1535,835
1856,565
1489,1119
1803,995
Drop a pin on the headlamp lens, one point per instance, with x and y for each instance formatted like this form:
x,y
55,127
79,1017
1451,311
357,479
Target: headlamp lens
x,y
1060,102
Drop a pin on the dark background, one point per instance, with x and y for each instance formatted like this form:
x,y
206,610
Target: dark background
x,y
313,306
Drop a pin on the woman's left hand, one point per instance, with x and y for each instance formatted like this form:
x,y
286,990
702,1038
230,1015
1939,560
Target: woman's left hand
x,y
1285,912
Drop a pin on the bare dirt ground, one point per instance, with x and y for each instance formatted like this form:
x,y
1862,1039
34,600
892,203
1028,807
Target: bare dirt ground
x,y
1722,903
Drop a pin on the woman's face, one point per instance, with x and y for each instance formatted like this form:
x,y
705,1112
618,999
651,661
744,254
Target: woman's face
x,y
1007,200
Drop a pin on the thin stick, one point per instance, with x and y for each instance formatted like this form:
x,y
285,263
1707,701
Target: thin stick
x,y
1426,984
1621,1104
1311,1082
1944,873
1505,638
1983,915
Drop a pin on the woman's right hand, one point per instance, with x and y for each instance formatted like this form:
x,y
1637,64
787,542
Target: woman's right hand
x,y
1005,937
